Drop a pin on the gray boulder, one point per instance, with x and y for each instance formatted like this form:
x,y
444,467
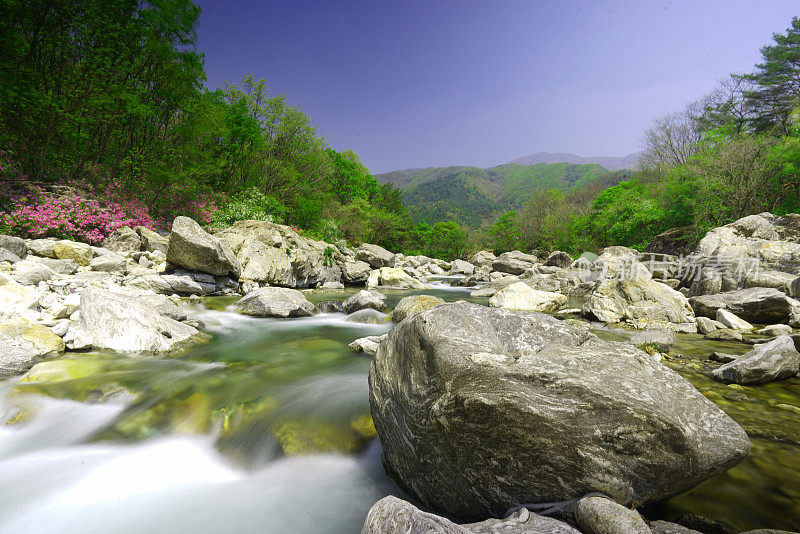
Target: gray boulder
x,y
520,296
514,262
598,515
14,245
375,256
755,305
276,302
123,239
775,360
461,267
194,249
730,320
355,272
755,251
365,299
637,300
484,258
775,330
276,255
152,241
42,247
368,316
367,345
471,406
30,273
393,515
109,263
7,255
130,324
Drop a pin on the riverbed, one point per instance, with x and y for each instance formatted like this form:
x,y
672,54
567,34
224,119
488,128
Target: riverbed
x,y
266,429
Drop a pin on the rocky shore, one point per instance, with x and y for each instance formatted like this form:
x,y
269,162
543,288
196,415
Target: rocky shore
x,y
484,412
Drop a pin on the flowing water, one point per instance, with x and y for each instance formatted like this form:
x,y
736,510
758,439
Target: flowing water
x,y
266,429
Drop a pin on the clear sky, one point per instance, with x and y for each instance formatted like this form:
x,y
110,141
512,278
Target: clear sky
x,y
418,83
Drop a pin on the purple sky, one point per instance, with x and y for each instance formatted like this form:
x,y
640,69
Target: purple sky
x,y
418,83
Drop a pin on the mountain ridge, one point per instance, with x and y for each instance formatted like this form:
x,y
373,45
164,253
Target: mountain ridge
x,y
612,163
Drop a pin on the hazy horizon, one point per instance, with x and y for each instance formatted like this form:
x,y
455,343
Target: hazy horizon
x,y
469,83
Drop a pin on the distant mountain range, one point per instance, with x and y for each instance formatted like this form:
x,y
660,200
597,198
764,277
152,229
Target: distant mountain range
x,y
474,197
611,163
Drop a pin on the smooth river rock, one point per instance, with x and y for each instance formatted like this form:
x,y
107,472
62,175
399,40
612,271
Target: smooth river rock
x,y
775,360
520,296
276,302
755,305
129,324
481,409
638,300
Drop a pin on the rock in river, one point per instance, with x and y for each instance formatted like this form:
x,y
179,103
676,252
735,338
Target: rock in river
x,y
393,515
755,305
775,360
125,323
520,296
481,409
638,300
194,249
365,299
276,302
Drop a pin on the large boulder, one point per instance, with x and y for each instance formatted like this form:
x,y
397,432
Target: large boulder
x,y
393,277
109,263
355,272
638,300
461,267
14,245
17,299
365,299
480,409
23,343
393,515
276,302
514,262
152,241
275,254
775,360
123,239
520,296
131,324
754,305
81,253
483,258
44,248
414,304
30,273
194,249
755,251
375,256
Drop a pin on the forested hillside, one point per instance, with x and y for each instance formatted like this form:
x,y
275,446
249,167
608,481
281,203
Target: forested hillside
x,y
475,197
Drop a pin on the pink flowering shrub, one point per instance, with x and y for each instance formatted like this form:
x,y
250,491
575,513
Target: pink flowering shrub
x,y
76,218
90,209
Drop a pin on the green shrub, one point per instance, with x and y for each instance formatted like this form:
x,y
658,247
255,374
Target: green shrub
x,y
250,204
